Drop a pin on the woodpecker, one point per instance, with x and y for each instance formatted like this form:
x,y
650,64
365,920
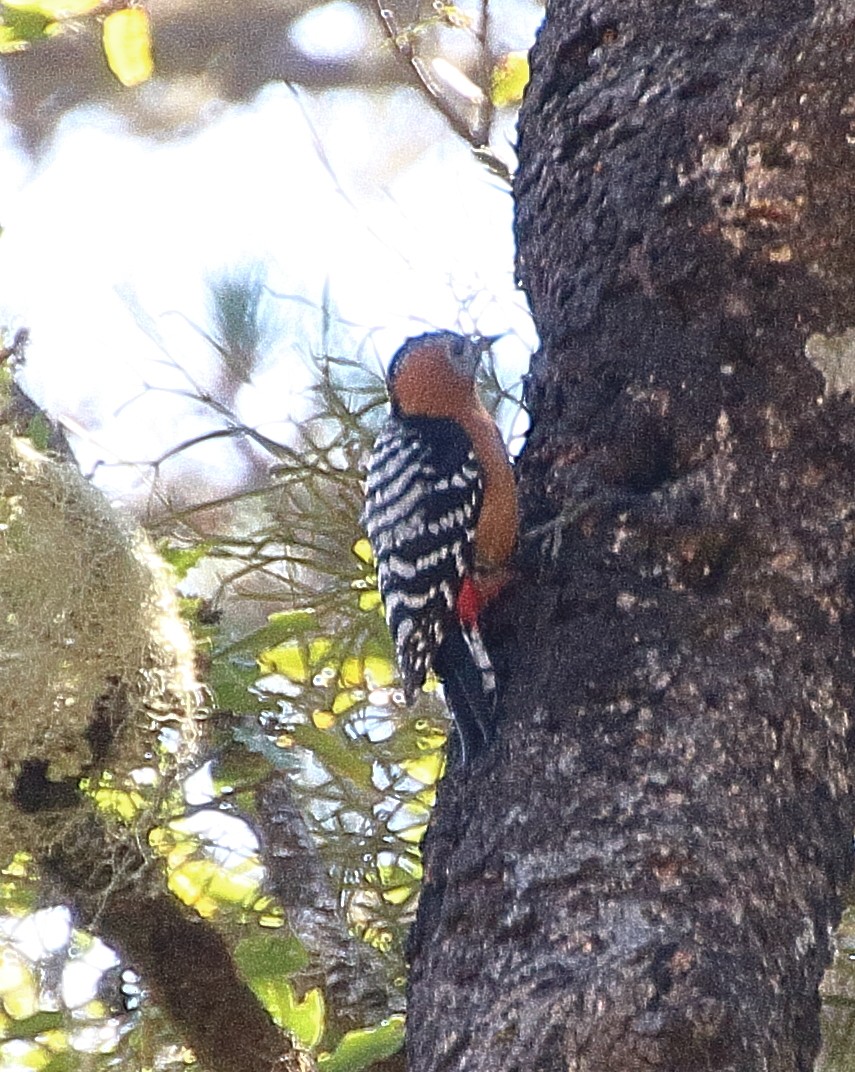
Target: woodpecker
x,y
441,516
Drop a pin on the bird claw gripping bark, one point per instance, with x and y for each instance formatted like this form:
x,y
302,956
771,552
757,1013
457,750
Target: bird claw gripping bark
x,y
551,533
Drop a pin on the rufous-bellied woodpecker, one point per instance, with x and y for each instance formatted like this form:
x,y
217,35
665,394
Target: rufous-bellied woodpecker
x,y
441,515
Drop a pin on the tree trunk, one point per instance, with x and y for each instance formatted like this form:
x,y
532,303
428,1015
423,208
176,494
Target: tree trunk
x,y
645,871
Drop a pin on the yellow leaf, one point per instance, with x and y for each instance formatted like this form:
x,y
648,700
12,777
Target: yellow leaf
x,y
427,797
380,671
205,906
362,550
56,9
323,719
57,1040
9,41
369,600
270,919
379,938
398,894
178,855
159,840
17,866
127,45
318,649
239,885
343,701
425,769
17,986
412,834
352,672
509,79
123,805
431,738
289,660
452,16
188,882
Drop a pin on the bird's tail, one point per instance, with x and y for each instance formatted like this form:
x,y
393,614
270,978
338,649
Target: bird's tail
x,y
464,668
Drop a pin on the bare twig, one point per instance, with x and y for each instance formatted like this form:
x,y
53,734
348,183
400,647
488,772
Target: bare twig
x,y
478,138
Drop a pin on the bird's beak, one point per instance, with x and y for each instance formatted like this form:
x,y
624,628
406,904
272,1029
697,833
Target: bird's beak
x,y
480,345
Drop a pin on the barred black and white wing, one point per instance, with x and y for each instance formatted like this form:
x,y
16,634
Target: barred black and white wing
x,y
423,497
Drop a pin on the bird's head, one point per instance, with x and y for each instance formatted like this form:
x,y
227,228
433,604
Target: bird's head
x,y
431,371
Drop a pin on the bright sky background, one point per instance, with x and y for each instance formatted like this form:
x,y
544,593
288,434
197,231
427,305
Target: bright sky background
x,y
400,225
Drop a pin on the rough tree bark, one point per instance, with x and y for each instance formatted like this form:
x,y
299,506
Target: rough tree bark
x,y
645,872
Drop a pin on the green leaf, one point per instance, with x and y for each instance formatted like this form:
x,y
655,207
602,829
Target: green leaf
x,y
23,23
361,1049
265,961
68,1061
231,681
304,1019
183,559
38,431
338,756
269,957
37,1024
240,767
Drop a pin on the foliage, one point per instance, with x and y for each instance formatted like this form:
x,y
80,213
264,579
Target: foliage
x,y
281,595
311,690
125,31
450,48
361,1049
321,674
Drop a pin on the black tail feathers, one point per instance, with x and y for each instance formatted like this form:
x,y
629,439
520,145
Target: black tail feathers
x,y
468,681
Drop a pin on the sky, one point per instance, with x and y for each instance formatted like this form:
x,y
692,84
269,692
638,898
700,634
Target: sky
x,y
110,241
